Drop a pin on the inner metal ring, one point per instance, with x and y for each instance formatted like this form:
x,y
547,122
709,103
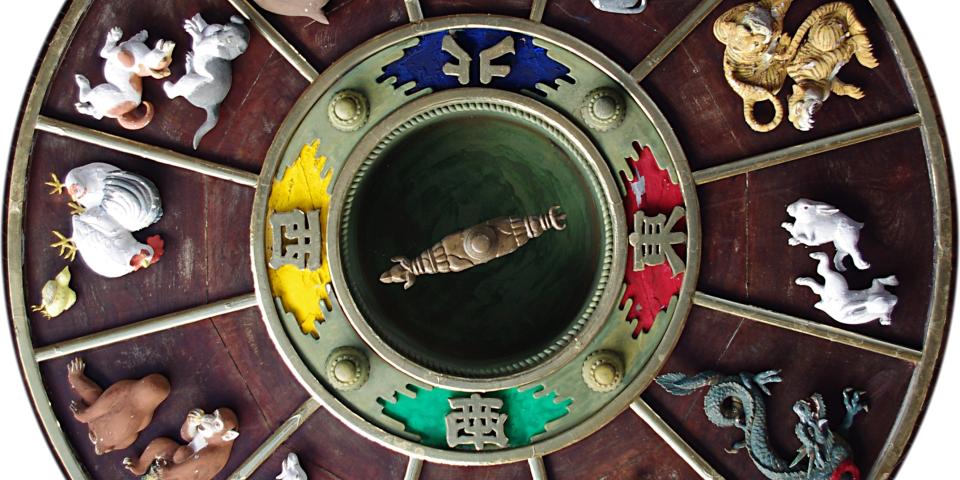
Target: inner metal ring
x,y
297,350
610,264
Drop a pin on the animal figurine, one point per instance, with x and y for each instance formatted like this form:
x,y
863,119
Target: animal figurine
x,y
474,246
756,55
297,8
625,7
853,307
209,73
108,205
830,36
122,95
106,247
738,401
210,439
817,223
57,296
292,469
132,200
117,415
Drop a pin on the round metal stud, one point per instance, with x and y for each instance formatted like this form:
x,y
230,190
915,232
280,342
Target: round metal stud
x,y
603,109
603,371
479,242
347,368
349,110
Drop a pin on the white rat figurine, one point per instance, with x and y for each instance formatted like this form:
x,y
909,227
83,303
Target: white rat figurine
x,y
209,73
292,469
122,95
626,7
852,307
818,223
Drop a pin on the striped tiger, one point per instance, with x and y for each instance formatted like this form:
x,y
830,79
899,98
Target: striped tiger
x,y
755,61
826,41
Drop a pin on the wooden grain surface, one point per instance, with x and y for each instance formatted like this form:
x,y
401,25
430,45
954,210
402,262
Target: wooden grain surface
x,y
352,22
229,361
626,39
438,8
719,342
329,449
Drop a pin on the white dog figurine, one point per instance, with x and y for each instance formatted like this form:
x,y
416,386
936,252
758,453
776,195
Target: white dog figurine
x,y
626,7
818,223
853,307
125,64
209,73
292,469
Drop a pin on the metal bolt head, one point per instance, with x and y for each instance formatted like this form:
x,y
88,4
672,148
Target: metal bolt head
x,y
603,371
345,109
347,369
603,109
348,111
605,374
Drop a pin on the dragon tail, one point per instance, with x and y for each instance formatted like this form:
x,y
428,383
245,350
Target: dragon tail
x,y
680,384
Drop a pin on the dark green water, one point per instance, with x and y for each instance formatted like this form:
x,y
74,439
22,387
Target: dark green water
x,y
452,174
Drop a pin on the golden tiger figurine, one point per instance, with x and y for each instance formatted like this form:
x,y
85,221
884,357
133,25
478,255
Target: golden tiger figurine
x,y
756,58
827,40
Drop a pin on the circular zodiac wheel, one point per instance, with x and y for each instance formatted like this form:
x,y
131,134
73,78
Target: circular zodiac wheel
x,y
479,239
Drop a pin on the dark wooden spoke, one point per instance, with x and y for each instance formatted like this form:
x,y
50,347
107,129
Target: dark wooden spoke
x,y
145,327
276,40
266,449
672,438
807,327
673,39
149,152
414,11
806,150
537,9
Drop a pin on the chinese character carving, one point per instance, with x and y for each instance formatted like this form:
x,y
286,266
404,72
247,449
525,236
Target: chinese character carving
x,y
296,239
654,238
476,421
488,70
460,70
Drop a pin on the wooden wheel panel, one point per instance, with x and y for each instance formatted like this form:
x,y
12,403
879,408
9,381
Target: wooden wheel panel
x,y
894,183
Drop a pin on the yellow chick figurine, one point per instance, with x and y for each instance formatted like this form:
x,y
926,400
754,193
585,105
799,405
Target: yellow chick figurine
x,y
56,296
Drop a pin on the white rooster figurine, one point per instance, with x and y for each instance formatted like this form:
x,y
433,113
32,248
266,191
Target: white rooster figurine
x,y
110,204
292,469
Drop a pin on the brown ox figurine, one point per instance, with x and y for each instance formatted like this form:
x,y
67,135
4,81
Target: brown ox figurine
x,y
117,415
210,438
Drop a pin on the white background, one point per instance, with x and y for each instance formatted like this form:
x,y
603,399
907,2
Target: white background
x,y
22,35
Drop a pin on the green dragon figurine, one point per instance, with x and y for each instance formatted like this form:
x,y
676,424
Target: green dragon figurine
x,y
738,401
